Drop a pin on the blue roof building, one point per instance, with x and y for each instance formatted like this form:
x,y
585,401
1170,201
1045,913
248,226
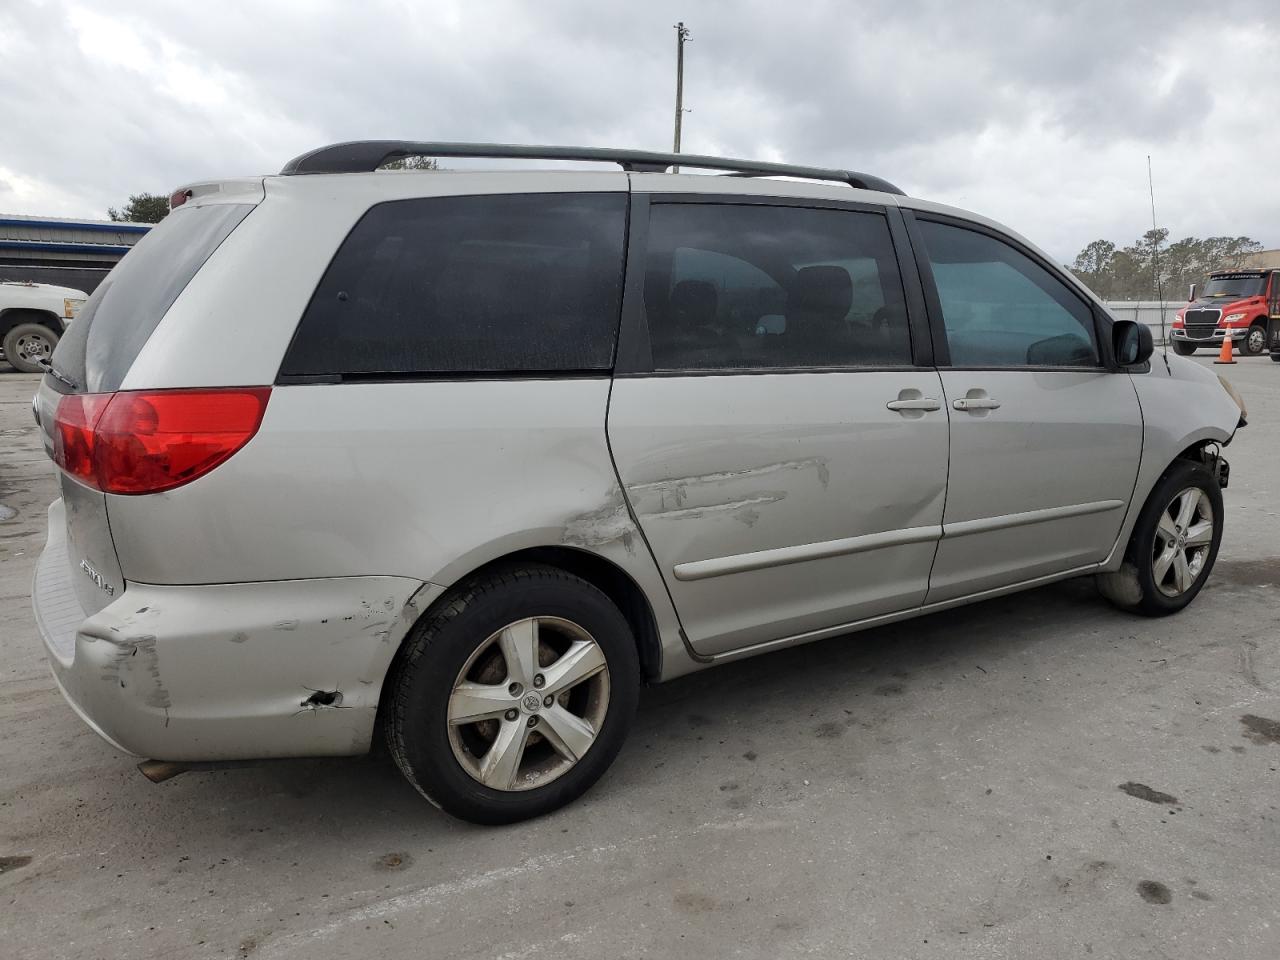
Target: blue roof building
x,y
71,253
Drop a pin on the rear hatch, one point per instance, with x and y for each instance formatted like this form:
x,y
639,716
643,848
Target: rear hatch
x,y
90,364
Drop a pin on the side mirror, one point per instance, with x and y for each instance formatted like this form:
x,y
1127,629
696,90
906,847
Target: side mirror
x,y
1191,297
1132,343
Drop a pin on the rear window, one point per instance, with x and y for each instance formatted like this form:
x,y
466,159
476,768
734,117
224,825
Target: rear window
x,y
525,284
105,338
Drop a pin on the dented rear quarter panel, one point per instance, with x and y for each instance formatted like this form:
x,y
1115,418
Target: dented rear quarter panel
x,y
427,481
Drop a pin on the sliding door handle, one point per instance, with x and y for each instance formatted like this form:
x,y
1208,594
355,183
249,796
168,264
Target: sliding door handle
x,y
976,403
920,403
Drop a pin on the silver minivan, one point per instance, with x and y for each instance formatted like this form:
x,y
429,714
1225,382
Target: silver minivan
x,y
461,458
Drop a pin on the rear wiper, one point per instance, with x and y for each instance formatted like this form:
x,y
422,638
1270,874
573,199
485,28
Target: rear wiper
x,y
53,371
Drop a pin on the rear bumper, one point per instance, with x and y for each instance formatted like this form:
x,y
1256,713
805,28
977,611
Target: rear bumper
x,y
223,671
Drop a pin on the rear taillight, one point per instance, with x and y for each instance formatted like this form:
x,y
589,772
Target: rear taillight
x,y
146,441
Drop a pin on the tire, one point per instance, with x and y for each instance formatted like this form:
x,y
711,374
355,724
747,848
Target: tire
x,y
478,635
25,343
1140,586
1276,357
1254,343
1183,349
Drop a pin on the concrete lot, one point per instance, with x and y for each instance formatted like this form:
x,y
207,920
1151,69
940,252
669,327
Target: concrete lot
x,y
949,787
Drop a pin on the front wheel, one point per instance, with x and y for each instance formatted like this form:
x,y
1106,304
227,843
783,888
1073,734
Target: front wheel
x,y
1173,545
514,696
1183,349
27,344
1255,341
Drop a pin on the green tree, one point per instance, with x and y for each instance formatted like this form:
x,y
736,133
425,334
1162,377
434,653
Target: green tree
x,y
1130,279
142,208
1228,252
1130,273
412,163
1093,265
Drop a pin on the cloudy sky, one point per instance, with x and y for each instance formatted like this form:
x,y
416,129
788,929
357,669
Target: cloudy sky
x,y
1038,114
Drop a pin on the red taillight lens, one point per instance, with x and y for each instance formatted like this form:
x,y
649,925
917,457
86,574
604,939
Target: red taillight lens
x,y
73,426
149,441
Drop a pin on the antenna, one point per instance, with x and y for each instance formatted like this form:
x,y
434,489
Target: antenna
x,y
1155,261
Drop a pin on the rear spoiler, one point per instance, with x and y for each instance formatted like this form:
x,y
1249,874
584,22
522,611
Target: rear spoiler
x,y
239,190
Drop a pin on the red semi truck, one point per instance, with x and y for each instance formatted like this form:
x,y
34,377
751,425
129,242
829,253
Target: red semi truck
x,y
1233,303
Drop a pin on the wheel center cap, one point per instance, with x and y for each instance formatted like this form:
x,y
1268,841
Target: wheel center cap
x,y
531,703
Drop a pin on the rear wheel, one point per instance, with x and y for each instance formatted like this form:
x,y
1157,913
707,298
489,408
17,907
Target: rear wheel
x,y
27,344
514,696
1183,349
1255,341
1173,546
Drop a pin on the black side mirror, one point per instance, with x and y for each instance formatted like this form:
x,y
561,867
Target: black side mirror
x,y
1132,342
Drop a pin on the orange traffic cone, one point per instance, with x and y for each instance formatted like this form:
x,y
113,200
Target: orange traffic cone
x,y
1228,347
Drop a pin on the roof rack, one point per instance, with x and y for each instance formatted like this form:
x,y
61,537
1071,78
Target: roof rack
x,y
360,156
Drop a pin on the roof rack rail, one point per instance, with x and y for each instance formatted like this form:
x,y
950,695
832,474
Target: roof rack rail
x,y
360,156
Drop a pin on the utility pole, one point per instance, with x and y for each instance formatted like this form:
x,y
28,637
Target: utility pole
x,y
682,37
1155,256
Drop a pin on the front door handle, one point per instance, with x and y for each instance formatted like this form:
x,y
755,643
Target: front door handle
x,y
919,403
976,403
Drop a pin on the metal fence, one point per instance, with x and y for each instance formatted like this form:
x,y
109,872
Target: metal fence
x,y
1156,315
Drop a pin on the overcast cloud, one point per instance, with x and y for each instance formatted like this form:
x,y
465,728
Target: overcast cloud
x,y
1040,115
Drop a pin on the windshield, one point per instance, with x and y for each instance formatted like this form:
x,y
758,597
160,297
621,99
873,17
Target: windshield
x,y
1245,285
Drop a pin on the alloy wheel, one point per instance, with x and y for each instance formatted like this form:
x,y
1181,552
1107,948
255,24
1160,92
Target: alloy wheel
x,y
1183,539
528,703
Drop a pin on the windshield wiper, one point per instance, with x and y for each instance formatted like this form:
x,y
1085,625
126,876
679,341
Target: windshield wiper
x,y
53,371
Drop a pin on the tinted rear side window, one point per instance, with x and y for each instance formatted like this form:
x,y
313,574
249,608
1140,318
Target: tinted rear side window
x,y
103,341
750,286
521,284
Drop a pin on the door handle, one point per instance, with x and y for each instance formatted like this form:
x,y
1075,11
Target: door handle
x,y
920,403
976,403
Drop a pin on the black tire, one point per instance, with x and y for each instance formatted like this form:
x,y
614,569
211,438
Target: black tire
x,y
27,341
1276,357
1183,349
1254,343
1134,587
442,644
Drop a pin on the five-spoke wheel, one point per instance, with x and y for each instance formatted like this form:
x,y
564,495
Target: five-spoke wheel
x,y
1184,535
527,705
1173,545
514,694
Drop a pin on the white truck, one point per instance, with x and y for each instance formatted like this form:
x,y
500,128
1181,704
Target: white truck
x,y
32,318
